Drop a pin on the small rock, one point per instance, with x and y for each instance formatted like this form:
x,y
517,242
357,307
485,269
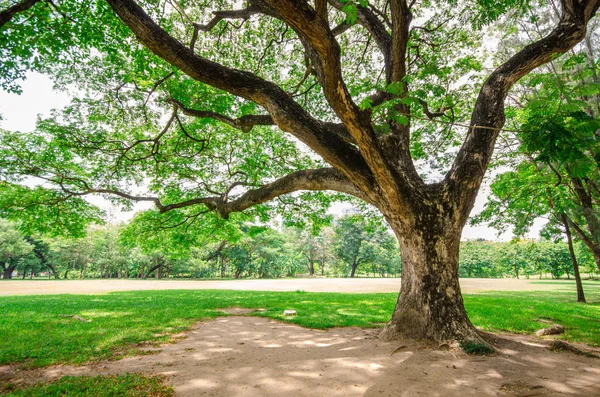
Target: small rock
x,y
552,330
398,349
289,312
444,346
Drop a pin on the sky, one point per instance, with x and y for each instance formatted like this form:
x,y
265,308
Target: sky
x,y
20,113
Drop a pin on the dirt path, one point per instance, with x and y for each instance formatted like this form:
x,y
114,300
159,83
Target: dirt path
x,y
252,357
38,287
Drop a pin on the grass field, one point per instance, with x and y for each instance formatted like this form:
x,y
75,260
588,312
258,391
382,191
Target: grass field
x,y
127,385
40,330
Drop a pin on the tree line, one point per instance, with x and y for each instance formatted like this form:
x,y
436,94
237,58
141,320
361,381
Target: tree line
x,y
352,246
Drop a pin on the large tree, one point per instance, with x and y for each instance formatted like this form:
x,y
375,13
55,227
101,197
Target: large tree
x,y
351,80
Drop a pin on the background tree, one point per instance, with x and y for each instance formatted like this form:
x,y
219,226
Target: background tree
x,y
13,247
478,259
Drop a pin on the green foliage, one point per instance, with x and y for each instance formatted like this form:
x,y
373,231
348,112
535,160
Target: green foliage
x,y
363,242
518,258
47,211
476,348
555,152
15,250
127,385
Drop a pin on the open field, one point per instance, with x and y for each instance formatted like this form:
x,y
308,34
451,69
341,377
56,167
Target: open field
x,y
348,285
200,349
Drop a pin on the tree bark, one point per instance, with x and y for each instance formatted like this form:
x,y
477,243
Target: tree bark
x,y
149,272
430,303
353,271
7,273
587,240
580,294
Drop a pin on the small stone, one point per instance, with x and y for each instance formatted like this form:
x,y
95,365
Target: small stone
x,y
552,330
398,349
289,312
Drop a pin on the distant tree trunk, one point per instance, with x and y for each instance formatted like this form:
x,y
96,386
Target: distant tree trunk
x,y
149,272
311,267
7,272
592,241
323,265
354,266
158,273
580,294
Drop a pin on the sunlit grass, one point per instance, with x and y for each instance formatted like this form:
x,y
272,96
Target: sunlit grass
x,y
38,330
127,385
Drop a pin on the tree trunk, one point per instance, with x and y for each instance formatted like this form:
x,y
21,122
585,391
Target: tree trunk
x,y
430,304
353,271
7,272
223,266
311,267
580,294
587,240
149,272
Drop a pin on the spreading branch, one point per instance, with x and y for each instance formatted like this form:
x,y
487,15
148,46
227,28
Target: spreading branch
x,y
312,180
287,114
488,118
244,123
8,14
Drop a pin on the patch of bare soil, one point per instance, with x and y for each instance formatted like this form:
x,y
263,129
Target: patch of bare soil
x,y
349,285
249,356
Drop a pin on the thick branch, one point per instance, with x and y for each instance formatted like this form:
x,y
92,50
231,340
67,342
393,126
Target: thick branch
x,y
286,113
376,28
324,51
313,179
401,17
229,14
488,118
8,14
244,123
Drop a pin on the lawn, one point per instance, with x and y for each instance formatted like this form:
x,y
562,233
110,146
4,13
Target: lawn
x,y
41,330
127,385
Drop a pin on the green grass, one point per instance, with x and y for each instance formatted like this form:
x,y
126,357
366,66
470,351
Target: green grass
x,y
127,385
37,332
521,312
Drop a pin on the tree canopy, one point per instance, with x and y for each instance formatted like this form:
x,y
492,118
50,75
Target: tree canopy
x,y
205,108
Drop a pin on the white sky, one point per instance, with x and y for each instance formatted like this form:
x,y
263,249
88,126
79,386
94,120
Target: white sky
x,y
20,113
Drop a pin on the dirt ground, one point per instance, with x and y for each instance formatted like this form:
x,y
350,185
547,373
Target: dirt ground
x,y
252,357
38,287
